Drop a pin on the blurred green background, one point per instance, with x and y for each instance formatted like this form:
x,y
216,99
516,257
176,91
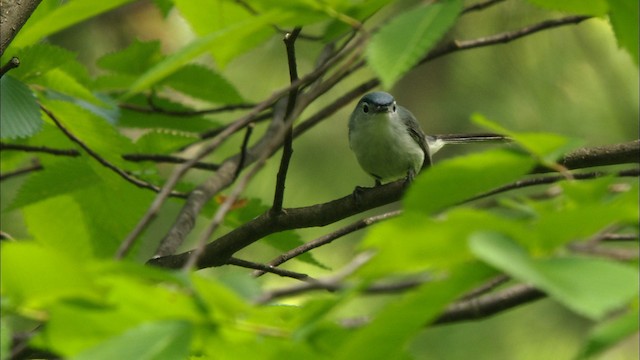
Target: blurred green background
x,y
573,80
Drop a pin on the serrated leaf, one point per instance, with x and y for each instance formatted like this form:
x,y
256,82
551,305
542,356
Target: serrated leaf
x,y
401,43
203,83
134,59
19,110
624,19
39,59
98,134
70,13
162,340
582,7
590,287
60,81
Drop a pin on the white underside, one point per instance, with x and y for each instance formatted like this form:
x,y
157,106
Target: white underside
x,y
384,147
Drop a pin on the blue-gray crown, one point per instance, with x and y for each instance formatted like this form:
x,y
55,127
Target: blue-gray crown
x,y
379,98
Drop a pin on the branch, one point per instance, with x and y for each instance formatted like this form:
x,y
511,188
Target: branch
x,y
137,182
487,305
218,252
13,63
287,149
224,176
154,109
42,149
161,158
269,269
328,238
13,16
35,166
624,153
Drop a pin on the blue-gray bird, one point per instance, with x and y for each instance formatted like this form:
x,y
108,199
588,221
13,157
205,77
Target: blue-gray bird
x,y
389,143
387,139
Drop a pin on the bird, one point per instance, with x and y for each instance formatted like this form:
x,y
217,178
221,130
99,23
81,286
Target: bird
x,y
386,138
389,143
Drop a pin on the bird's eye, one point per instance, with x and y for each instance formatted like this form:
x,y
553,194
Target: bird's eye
x,y
394,107
365,108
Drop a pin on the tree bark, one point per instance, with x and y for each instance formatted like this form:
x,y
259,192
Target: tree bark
x,y
14,14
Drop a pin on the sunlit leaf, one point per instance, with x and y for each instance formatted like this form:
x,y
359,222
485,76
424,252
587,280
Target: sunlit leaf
x,y
69,13
406,39
134,59
203,83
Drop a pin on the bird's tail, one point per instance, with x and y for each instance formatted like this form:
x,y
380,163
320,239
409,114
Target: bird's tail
x,y
436,142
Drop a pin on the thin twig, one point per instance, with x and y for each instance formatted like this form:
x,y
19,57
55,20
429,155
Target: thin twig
x,y
331,283
287,147
243,149
328,238
40,149
269,269
35,166
13,63
480,6
123,174
161,158
154,109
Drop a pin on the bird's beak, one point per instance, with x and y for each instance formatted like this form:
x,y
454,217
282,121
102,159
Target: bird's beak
x,y
383,108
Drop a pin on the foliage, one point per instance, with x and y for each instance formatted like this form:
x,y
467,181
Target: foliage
x,y
63,287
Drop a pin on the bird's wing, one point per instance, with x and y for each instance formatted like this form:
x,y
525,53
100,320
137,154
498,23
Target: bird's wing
x,y
416,133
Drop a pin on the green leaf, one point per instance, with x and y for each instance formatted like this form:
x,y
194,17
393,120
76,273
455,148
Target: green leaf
x,y
35,275
190,79
60,81
228,42
590,287
441,185
415,242
581,7
168,340
164,121
400,44
62,176
608,334
206,17
134,59
160,141
19,110
67,230
94,131
404,317
624,19
38,59
68,14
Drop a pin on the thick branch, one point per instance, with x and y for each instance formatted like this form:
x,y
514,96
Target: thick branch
x,y
218,252
13,16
